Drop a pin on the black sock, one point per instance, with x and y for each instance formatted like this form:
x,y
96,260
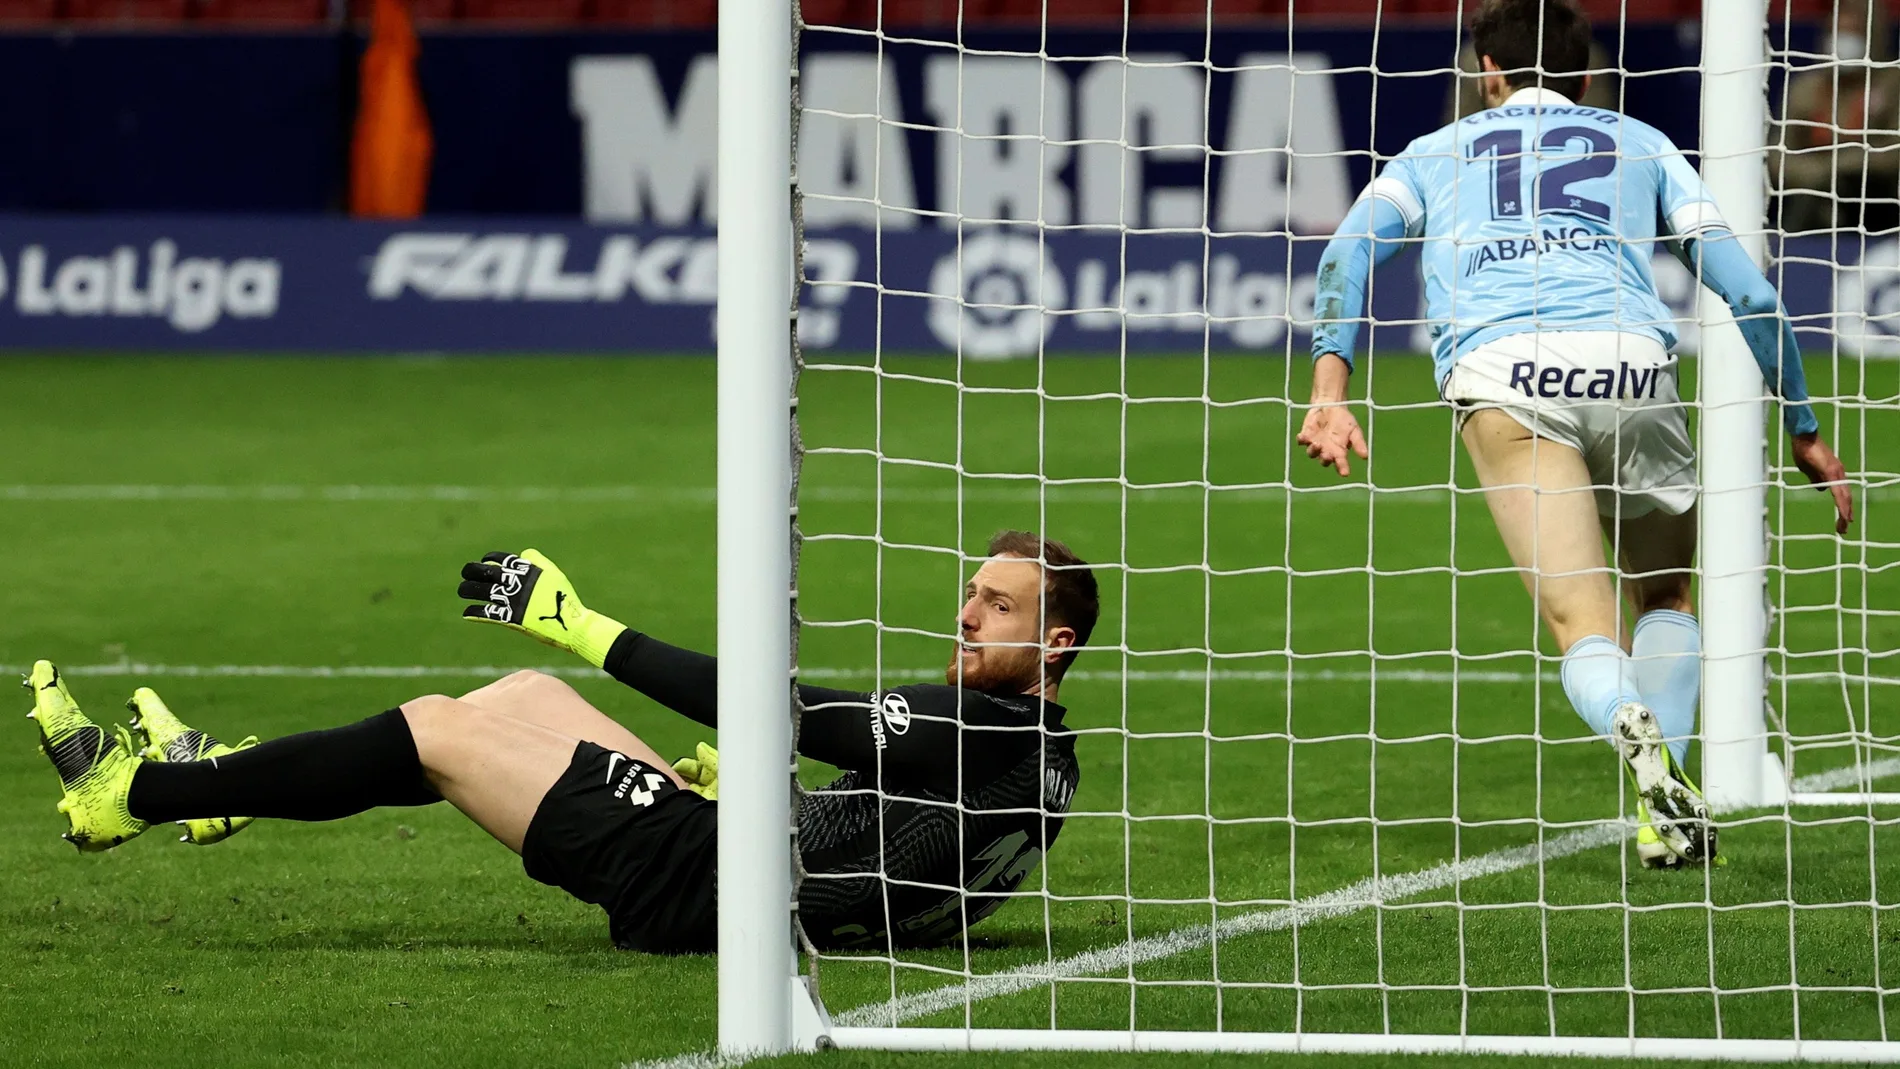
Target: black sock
x,y
318,775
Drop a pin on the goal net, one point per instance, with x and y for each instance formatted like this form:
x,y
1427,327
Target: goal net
x,y
1055,271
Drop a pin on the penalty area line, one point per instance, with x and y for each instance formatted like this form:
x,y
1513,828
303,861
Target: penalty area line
x,y
867,677
1368,893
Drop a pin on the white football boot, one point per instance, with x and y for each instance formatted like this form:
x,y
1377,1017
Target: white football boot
x,y
1673,820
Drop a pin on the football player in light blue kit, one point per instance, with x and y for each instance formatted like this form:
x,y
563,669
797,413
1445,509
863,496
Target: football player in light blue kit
x,y
1537,218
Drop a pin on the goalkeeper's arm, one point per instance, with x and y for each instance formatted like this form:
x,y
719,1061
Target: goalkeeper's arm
x,y
529,593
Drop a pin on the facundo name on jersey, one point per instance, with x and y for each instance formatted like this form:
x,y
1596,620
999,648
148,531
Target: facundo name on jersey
x,y
1623,381
1563,239
1522,111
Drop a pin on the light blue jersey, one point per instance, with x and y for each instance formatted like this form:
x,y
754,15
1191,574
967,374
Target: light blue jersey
x,y
1540,214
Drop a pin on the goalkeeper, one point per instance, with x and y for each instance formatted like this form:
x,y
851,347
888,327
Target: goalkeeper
x,y
951,795
1536,219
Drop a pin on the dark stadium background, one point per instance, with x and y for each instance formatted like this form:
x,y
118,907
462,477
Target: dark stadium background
x,y
246,105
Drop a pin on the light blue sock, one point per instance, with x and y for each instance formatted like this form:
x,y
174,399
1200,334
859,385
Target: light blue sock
x,y
1666,663
1597,680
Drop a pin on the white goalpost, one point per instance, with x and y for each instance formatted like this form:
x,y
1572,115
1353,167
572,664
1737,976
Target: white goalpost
x,y
756,969
1738,770
1286,837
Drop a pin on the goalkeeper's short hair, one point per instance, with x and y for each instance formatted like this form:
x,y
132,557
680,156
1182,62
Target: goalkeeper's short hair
x,y
1070,596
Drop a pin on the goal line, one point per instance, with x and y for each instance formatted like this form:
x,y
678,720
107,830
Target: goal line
x,y
875,1025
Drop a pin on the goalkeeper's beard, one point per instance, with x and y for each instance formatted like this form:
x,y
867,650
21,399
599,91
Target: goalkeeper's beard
x,y
995,669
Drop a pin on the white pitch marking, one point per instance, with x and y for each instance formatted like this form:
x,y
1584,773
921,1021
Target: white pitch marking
x,y
1367,893
865,676
701,1059
321,671
977,491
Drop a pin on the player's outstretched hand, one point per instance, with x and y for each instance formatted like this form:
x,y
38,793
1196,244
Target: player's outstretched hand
x,y
1818,462
527,592
1332,436
700,771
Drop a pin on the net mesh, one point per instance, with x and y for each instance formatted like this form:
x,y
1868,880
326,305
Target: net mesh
x,y
1058,268
1832,166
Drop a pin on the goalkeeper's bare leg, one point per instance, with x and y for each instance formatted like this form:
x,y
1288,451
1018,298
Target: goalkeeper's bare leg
x,y
494,764
1541,497
530,697
539,698
615,828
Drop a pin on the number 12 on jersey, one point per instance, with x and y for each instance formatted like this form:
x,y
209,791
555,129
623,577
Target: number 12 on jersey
x,y
1505,149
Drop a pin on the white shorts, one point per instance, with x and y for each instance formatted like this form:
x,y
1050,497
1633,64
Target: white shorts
x,y
1609,395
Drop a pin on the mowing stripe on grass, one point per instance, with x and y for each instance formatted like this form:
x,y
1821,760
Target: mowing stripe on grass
x,y
672,495
1011,490
992,489
1366,894
866,676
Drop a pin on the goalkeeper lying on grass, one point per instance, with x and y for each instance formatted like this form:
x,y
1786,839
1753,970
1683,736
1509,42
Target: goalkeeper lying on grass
x,y
976,774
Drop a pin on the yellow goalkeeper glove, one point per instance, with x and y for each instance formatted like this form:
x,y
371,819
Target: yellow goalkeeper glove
x,y
701,771
527,592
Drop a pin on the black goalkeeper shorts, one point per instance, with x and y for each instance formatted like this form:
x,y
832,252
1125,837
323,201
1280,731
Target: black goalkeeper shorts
x,y
618,833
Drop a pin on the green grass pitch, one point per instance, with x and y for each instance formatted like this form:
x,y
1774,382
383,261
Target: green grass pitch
x,y
1238,731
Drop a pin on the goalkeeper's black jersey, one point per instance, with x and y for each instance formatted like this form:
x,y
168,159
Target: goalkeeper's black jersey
x,y
974,787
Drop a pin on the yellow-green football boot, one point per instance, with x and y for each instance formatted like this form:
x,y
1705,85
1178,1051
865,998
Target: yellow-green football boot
x,y
94,767
1673,823
1650,849
163,737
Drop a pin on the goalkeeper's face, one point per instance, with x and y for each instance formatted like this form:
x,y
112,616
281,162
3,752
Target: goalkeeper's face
x,y
1001,646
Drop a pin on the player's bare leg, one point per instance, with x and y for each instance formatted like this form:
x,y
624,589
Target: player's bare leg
x,y
1658,555
1541,500
494,767
1540,495
1658,552
539,698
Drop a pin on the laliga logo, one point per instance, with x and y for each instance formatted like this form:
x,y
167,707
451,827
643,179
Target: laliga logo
x,y
191,294
1867,315
994,295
